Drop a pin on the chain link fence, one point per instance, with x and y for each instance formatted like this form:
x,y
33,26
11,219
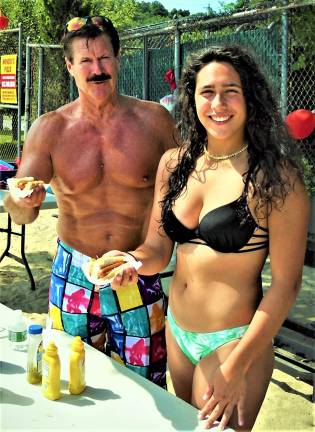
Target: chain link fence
x,y
11,111
48,84
280,38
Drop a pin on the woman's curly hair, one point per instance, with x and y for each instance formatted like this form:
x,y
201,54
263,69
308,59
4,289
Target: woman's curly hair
x,y
271,152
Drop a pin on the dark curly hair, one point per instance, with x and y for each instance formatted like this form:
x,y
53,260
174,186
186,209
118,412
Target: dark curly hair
x,y
271,152
90,31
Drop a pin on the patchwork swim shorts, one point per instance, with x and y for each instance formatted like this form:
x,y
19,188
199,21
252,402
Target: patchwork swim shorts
x,y
126,324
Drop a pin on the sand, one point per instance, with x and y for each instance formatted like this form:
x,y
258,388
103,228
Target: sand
x,y
40,248
287,406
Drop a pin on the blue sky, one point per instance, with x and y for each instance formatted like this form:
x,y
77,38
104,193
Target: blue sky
x,y
194,6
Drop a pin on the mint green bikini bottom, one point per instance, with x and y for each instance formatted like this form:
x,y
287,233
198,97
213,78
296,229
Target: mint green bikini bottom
x,y
195,345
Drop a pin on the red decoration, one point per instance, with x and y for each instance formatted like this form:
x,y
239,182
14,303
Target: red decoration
x,y
4,22
170,78
301,123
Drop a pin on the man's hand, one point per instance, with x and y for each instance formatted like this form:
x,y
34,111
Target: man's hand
x,y
34,200
226,392
25,210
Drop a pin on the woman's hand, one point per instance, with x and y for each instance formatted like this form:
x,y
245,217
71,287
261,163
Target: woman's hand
x,y
226,392
126,276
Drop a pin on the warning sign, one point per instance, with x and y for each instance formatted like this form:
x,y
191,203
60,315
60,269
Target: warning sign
x,y
8,79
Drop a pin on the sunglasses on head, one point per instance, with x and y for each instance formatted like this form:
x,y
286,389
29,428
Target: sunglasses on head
x,y
77,23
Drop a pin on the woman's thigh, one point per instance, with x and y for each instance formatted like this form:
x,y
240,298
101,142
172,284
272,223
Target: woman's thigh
x,y
181,369
257,381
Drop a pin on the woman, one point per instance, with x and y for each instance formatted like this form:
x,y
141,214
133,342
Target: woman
x,y
231,194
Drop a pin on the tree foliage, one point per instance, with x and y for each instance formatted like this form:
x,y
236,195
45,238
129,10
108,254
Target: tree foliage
x,y
44,20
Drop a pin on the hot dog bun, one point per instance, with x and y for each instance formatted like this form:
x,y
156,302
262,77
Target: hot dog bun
x,y
27,183
102,268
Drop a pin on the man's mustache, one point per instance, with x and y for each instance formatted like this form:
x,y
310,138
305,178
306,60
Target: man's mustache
x,y
98,78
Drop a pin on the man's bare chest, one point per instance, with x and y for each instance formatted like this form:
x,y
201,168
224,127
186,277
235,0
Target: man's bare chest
x,y
89,157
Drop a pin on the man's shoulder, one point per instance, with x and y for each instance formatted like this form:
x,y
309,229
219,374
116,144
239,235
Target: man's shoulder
x,y
58,116
144,106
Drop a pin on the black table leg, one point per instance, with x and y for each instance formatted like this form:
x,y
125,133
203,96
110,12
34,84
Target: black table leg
x,y
8,231
7,252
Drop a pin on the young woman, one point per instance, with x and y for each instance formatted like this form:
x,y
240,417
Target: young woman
x,y
229,196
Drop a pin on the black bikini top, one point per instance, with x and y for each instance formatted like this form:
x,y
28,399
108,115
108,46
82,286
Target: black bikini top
x,y
228,228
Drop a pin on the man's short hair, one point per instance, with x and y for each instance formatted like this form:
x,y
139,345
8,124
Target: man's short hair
x,y
88,27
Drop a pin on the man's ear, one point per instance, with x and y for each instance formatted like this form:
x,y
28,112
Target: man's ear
x,y
69,65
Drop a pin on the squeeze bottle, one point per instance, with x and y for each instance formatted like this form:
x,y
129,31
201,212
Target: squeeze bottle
x,y
51,372
77,366
34,354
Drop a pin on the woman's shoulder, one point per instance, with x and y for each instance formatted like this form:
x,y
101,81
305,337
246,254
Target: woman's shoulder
x,y
171,156
170,159
168,163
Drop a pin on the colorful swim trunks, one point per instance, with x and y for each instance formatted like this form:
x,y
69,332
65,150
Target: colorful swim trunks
x,y
126,324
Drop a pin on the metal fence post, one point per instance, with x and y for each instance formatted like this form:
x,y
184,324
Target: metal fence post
x,y
177,52
284,63
40,81
145,82
19,91
27,86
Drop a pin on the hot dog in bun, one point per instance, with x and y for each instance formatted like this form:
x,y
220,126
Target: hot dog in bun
x,y
104,267
27,183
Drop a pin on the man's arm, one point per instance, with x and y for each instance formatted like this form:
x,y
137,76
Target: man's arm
x,y
25,210
36,162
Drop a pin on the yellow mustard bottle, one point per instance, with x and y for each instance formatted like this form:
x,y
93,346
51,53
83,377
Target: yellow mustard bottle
x,y
51,372
77,366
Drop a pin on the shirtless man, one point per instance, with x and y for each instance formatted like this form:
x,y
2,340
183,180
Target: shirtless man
x,y
100,154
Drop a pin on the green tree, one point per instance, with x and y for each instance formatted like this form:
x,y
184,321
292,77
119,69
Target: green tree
x,y
179,13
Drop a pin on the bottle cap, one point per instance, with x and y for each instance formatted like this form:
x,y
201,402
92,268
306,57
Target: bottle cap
x,y
18,313
35,329
77,343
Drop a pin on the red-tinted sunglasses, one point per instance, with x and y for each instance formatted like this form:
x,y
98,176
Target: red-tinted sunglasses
x,y
77,23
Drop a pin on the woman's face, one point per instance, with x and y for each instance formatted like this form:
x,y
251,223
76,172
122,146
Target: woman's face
x,y
220,102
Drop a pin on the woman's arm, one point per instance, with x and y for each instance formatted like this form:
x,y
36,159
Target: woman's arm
x,y
156,251
287,236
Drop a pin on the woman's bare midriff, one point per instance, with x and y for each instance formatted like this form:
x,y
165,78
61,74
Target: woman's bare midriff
x,y
213,291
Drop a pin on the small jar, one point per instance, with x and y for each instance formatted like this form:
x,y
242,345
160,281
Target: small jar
x,y
34,354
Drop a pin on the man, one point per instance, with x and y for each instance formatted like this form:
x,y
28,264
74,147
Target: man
x,y
100,154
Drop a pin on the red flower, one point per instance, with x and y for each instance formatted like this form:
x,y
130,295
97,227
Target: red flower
x,y
170,78
4,22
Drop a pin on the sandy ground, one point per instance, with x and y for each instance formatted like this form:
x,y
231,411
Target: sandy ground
x,y
287,406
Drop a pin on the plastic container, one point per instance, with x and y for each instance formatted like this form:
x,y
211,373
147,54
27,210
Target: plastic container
x,y
77,366
17,331
34,354
51,372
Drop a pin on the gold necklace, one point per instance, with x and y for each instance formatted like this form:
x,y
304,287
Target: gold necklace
x,y
225,157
